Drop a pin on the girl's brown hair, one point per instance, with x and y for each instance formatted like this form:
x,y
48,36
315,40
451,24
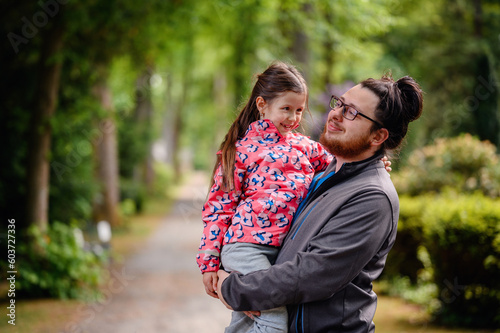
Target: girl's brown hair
x,y
278,78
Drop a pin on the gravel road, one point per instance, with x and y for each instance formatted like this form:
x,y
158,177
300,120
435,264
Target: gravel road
x,y
159,289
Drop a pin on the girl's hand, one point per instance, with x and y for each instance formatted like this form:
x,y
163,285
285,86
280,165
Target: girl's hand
x,y
210,280
387,163
252,314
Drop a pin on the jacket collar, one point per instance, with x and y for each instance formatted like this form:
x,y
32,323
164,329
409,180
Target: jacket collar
x,y
347,170
263,132
353,167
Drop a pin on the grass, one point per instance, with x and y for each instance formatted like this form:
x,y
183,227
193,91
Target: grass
x,y
397,316
40,316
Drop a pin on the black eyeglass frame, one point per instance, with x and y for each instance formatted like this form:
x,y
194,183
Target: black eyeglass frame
x,y
355,113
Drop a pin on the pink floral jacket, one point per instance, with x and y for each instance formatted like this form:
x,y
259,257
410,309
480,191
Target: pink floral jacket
x,y
272,175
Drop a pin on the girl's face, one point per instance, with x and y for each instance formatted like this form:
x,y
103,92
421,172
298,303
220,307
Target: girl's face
x,y
285,111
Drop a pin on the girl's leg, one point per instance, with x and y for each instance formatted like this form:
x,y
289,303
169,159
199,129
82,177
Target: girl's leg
x,y
240,322
246,258
271,321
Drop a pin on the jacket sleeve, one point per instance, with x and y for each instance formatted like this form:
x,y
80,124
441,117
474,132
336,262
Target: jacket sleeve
x,y
333,258
319,157
217,214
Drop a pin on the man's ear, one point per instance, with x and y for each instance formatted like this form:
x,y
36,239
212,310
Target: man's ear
x,y
260,102
379,136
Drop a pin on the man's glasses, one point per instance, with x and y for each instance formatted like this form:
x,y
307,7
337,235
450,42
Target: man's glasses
x,y
349,112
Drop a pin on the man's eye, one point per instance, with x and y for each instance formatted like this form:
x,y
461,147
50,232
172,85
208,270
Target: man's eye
x,y
352,111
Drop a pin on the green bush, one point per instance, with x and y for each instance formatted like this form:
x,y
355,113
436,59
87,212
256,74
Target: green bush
x,y
456,239
447,257
55,265
403,257
463,163
448,244
461,234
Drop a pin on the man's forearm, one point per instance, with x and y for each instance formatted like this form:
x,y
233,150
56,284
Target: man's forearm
x,y
260,290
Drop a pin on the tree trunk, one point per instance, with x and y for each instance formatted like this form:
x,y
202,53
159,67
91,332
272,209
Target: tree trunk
x,y
478,19
45,102
221,99
168,123
300,51
143,115
329,55
485,108
106,206
171,129
300,46
178,126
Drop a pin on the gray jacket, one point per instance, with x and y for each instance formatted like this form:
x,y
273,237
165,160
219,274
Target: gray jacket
x,y
336,247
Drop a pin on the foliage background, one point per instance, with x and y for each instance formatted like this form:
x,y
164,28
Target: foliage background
x,y
103,103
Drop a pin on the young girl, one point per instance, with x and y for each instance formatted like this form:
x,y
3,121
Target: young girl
x,y
262,173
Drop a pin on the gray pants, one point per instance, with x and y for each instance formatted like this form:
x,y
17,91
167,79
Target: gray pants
x,y
246,258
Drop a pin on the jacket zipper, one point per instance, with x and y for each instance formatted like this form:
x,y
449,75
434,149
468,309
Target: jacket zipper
x,y
302,221
300,313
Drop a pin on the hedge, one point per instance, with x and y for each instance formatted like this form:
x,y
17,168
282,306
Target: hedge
x,y
461,234
463,163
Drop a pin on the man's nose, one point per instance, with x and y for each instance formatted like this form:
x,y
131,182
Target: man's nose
x,y
336,113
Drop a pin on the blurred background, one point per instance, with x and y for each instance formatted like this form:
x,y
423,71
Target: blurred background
x,y
106,106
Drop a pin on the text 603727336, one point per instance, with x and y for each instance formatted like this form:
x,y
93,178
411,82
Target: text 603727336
x,y
11,273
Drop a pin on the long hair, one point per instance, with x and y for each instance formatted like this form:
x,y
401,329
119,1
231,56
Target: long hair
x,y
278,78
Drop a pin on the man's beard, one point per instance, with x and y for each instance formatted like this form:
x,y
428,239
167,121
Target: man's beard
x,y
345,149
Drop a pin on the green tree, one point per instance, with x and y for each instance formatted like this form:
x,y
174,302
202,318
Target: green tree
x,y
451,47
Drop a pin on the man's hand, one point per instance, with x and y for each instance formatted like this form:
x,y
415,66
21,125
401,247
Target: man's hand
x,y
210,282
222,275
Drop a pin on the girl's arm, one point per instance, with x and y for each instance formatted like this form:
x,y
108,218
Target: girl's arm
x,y
217,214
318,156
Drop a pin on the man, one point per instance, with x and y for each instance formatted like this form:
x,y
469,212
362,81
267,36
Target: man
x,y
344,229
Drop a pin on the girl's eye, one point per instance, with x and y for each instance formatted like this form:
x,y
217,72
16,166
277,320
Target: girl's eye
x,y
286,108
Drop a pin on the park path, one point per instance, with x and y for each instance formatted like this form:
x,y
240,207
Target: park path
x,y
159,289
